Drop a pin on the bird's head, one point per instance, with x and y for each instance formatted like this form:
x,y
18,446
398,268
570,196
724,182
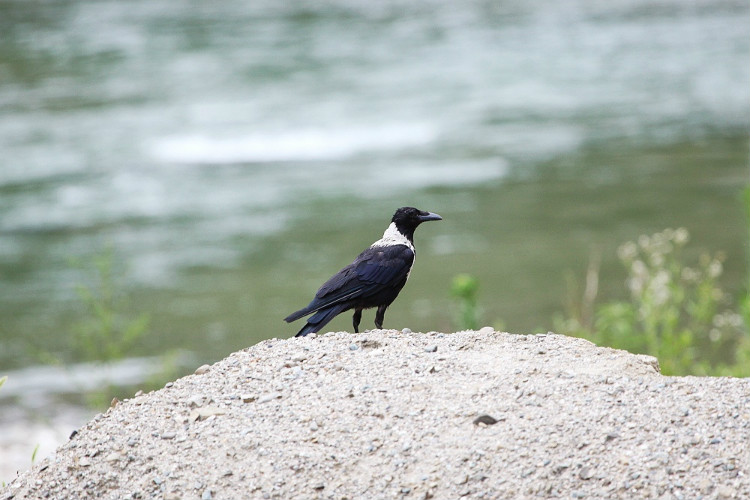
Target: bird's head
x,y
408,218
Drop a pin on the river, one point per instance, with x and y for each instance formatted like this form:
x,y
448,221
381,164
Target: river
x,y
232,155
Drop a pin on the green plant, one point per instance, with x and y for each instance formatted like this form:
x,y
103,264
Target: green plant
x,y
744,303
675,312
106,331
464,289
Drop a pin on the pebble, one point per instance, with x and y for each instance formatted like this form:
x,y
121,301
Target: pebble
x,y
485,420
201,370
432,348
204,413
269,397
611,436
586,473
528,471
559,468
195,401
725,492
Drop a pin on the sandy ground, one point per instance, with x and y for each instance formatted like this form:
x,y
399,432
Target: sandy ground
x,y
388,414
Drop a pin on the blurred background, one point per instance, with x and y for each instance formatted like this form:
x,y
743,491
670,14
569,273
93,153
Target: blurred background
x,y
176,177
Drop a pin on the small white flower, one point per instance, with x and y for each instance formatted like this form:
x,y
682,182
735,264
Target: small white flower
x,y
644,241
638,268
715,268
727,319
735,319
689,274
662,278
635,285
659,287
681,236
656,259
627,251
657,239
719,320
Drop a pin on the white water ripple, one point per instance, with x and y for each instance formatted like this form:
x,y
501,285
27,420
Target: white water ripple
x,y
308,144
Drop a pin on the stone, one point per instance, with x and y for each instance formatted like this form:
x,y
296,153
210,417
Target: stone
x,y
204,413
485,420
269,397
202,370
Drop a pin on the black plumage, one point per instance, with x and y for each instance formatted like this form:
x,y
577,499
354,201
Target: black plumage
x,y
374,279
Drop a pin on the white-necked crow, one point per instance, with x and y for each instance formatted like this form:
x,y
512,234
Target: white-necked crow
x,y
374,279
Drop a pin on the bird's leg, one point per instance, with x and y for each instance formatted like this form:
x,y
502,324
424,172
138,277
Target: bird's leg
x,y
379,317
356,318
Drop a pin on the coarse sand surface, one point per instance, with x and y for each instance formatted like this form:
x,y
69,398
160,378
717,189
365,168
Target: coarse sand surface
x,y
391,414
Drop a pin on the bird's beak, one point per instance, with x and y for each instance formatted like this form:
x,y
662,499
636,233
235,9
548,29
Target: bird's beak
x,y
430,216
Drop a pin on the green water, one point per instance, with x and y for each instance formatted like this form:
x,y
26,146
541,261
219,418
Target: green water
x,y
520,237
235,154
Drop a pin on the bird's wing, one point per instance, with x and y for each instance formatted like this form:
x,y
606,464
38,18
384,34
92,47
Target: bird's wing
x,y
373,270
384,266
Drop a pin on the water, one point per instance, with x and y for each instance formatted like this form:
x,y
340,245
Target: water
x,y
234,154
224,148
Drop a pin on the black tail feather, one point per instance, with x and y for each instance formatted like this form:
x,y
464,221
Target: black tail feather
x,y
298,314
320,319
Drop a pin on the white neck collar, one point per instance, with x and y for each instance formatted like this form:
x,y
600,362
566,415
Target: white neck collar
x,y
392,236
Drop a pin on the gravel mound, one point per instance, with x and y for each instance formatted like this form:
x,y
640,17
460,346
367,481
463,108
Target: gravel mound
x,y
388,414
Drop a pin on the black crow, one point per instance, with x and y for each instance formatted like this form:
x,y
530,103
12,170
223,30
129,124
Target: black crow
x,y
374,279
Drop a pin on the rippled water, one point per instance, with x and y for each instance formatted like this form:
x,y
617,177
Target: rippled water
x,y
208,141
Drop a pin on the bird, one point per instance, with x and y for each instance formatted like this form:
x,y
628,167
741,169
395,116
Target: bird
x,y
374,279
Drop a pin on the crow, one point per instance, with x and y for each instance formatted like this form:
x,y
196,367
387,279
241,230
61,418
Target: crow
x,y
374,279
